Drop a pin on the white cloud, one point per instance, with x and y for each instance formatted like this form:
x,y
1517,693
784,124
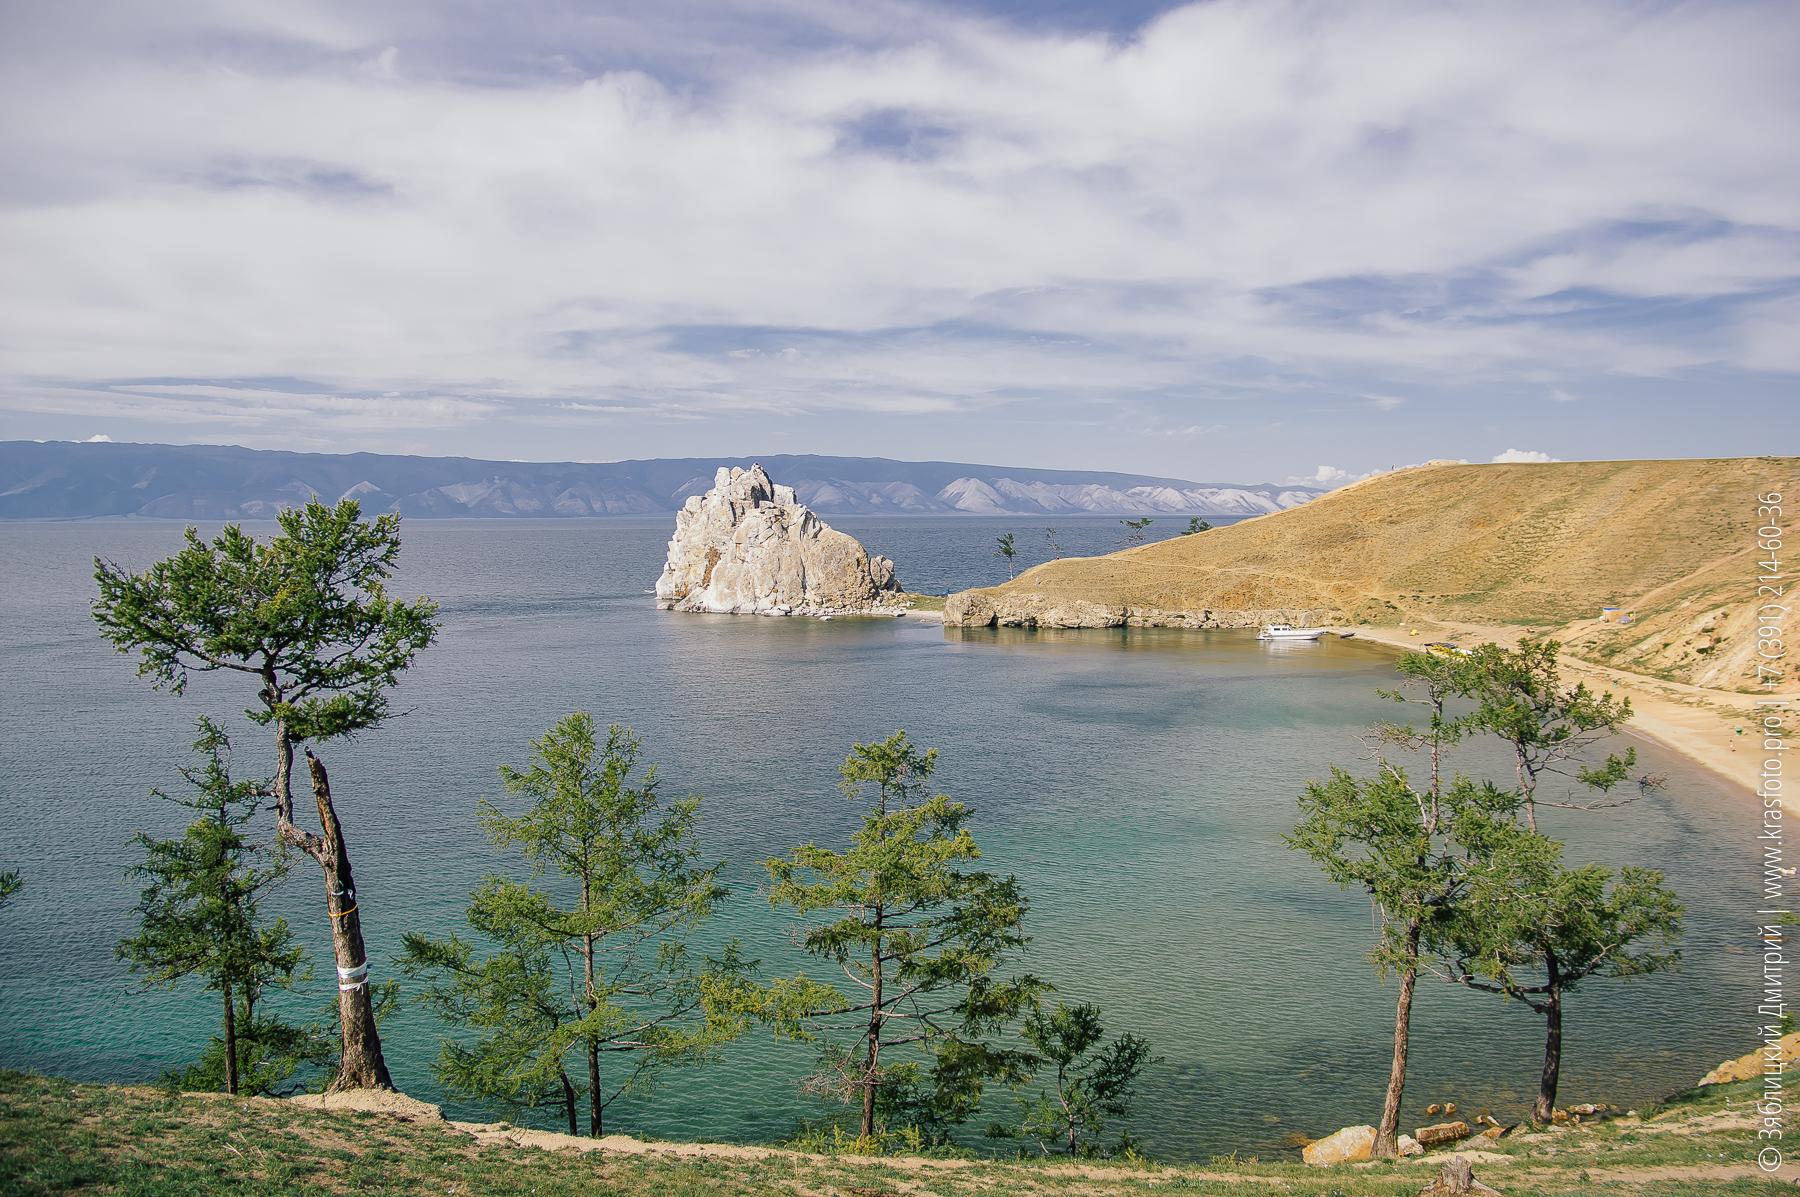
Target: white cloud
x,y
99,439
1330,477
922,214
1523,455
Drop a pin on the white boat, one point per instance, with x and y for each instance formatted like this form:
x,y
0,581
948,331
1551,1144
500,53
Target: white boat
x,y
1281,631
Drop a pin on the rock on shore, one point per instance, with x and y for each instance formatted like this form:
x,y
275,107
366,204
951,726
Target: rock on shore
x,y
748,547
985,608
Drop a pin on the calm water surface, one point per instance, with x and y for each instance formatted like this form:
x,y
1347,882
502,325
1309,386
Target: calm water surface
x,y
1136,781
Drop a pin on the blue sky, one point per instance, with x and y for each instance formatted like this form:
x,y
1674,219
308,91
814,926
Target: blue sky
x,y
1247,240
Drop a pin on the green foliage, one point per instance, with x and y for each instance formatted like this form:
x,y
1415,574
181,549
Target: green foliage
x,y
1407,849
199,916
1529,924
919,936
10,884
602,975
1093,1079
1197,525
306,613
1007,551
1404,845
1056,550
1136,532
1523,700
270,1052
1465,883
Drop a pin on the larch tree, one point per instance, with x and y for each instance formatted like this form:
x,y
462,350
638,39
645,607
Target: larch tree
x,y
918,937
199,915
604,975
1550,724
306,615
1092,1078
1396,840
1533,931
1137,530
1009,551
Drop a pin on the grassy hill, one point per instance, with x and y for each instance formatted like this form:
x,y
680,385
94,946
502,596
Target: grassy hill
x,y
1547,546
57,1137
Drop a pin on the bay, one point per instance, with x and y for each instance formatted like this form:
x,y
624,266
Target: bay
x,y
1137,781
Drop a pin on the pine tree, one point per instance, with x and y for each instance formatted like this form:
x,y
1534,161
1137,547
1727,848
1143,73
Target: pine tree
x,y
1533,931
199,916
1092,1080
604,975
306,615
921,939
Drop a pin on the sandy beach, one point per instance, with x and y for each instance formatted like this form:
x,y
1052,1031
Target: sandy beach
x,y
1701,724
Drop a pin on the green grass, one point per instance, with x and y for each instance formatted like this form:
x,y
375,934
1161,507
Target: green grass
x,y
58,1137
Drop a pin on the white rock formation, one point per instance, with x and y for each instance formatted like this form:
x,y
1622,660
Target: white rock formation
x,y
748,547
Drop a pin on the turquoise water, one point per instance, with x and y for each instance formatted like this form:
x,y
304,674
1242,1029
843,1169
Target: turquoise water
x,y
1137,782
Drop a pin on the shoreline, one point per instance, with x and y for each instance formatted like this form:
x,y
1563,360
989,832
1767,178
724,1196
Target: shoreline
x,y
1694,722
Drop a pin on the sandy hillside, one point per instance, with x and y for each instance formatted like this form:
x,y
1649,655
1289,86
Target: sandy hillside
x,y
1673,542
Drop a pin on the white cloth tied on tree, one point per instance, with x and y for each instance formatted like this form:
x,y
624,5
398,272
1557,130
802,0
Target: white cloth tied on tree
x,y
357,977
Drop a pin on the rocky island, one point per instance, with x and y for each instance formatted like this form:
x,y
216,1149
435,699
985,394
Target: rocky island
x,y
748,547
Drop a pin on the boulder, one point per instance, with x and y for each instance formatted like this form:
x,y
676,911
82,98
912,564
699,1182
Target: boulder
x,y
748,547
1783,1051
1442,1132
1351,1143
1410,1146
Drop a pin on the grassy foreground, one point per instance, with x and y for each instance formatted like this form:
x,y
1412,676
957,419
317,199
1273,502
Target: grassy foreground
x,y
58,1137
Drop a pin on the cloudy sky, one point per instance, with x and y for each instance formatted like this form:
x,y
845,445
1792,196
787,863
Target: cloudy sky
x,y
1244,240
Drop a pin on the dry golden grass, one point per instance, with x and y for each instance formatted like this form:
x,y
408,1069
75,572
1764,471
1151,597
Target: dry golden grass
x,y
57,1137
1538,545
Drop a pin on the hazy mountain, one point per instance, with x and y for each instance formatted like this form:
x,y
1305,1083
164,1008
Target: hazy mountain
x,y
73,480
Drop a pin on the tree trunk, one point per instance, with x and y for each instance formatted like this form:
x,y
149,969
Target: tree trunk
x,y
231,1080
569,1102
1546,1098
1387,1135
595,1107
1061,1089
360,1065
874,1060
1455,1179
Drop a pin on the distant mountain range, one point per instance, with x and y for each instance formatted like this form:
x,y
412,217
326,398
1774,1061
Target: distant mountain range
x,y
76,480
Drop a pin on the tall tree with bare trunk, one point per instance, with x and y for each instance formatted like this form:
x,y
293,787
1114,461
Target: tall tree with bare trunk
x,y
308,616
1393,837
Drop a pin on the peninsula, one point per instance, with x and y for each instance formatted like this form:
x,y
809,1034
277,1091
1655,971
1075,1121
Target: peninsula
x,y
1645,570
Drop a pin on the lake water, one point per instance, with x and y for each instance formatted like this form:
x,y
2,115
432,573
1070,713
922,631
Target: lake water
x,y
1136,781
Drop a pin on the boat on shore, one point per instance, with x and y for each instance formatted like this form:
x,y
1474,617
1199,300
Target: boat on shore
x,y
1282,631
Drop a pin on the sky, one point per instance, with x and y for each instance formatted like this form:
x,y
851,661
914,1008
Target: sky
x,y
1235,240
